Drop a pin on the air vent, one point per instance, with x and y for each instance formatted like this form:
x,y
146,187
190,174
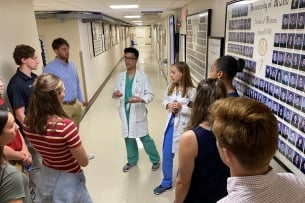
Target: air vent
x,y
151,12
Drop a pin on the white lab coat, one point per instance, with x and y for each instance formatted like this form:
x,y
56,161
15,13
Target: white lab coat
x,y
141,87
183,115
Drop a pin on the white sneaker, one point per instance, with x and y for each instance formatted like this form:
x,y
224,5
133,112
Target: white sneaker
x,y
90,156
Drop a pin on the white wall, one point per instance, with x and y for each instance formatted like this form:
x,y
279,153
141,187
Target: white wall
x,y
96,69
18,26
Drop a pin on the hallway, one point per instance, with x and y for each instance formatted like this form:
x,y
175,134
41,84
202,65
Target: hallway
x,y
101,134
100,131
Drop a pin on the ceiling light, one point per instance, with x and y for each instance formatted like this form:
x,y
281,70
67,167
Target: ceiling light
x,y
137,21
137,16
124,6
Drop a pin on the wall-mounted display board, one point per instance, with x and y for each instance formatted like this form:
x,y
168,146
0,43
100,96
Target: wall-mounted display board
x,y
114,35
215,50
97,38
197,32
269,35
107,33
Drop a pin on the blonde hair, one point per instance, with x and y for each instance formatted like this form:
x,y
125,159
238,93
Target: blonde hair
x,y
44,102
247,128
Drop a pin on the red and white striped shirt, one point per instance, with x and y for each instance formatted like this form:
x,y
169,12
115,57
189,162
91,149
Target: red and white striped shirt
x,y
54,146
270,188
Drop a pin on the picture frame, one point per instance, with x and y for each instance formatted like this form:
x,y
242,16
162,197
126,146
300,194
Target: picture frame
x,y
97,33
215,51
197,31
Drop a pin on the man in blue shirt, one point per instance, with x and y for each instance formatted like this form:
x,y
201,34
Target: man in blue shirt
x,y
67,72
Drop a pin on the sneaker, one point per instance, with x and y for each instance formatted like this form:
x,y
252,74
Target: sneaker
x,y
90,156
155,166
160,189
127,167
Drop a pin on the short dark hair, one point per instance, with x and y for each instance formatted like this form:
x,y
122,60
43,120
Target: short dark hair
x,y
58,42
23,52
132,50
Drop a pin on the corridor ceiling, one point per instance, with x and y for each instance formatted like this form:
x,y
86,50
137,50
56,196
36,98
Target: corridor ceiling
x,y
149,10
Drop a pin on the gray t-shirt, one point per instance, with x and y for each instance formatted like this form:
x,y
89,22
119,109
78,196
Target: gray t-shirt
x,y
13,185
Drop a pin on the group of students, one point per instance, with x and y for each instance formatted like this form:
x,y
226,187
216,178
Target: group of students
x,y
224,142
47,108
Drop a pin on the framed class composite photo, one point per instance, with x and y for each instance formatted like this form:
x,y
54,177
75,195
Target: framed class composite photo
x,y
197,32
269,36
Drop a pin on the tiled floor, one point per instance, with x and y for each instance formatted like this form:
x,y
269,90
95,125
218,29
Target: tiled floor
x,y
101,134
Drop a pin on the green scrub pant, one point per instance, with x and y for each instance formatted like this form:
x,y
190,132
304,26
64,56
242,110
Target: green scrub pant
x,y
149,147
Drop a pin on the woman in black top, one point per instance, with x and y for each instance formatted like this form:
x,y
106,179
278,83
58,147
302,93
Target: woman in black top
x,y
202,175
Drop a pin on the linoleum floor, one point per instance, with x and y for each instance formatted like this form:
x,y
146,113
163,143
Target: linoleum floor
x,y
100,132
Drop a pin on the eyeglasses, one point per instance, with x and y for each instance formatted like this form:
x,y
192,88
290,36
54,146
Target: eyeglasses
x,y
129,58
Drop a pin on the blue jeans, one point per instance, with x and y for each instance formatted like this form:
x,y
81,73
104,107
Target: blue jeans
x,y
168,156
60,187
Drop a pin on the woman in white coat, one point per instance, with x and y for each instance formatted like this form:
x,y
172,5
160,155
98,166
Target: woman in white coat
x,y
177,100
134,91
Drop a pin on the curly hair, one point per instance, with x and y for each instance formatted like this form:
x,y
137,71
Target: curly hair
x,y
23,52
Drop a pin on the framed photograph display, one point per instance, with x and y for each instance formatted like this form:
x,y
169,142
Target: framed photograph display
x,y
197,32
269,36
215,50
97,38
107,33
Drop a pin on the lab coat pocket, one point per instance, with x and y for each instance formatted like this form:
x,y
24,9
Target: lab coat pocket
x,y
141,113
181,127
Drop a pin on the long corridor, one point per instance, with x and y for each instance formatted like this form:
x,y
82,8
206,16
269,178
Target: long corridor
x,y
101,134
100,131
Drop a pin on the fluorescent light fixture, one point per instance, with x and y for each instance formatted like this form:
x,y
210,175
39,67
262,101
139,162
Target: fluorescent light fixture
x,y
137,21
124,6
136,16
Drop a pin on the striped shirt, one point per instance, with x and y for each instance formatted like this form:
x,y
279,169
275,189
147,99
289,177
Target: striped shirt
x,y
54,146
270,188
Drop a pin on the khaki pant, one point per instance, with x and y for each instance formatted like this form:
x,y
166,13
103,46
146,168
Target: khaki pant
x,y
74,111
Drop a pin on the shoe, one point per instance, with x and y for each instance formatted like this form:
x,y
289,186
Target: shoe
x,y
33,195
90,156
160,189
128,166
155,166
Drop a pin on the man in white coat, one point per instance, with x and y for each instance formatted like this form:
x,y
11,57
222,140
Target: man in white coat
x,y
134,91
